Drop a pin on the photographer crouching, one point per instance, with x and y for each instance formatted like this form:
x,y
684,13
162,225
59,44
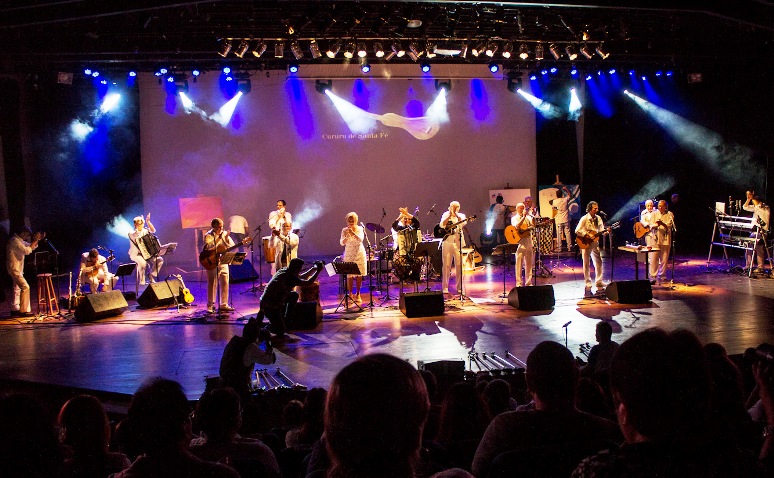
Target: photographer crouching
x,y
279,298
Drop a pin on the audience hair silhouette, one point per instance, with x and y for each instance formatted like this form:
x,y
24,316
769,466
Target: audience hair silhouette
x,y
29,445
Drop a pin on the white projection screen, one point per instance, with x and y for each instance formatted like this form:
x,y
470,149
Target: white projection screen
x,y
288,141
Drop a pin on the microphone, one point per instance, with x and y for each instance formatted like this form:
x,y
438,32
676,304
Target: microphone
x,y
431,208
568,323
384,213
100,248
416,210
603,214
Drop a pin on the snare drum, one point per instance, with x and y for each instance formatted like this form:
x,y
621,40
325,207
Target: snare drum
x,y
268,249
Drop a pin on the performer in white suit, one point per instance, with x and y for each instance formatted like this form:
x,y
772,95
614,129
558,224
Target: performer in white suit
x,y
277,218
151,266
450,248
287,248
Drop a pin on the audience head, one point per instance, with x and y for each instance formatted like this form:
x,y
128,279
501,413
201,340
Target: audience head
x,y
660,386
159,416
374,415
552,375
29,445
219,413
463,414
431,383
604,331
292,414
727,381
497,397
85,426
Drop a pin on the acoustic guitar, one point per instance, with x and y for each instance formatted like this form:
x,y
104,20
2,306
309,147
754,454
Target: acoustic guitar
x,y
641,229
209,258
585,241
513,235
441,232
92,271
185,292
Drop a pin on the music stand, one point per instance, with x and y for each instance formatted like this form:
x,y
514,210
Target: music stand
x,y
345,269
423,249
123,271
505,250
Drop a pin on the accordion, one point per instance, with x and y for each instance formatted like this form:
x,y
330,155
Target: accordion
x,y
149,246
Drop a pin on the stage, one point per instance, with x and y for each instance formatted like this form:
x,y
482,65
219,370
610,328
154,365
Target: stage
x,y
115,354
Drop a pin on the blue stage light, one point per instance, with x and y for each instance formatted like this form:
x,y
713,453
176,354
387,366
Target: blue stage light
x,y
196,72
163,71
631,72
226,70
293,68
553,70
494,67
87,71
132,73
544,72
532,76
95,74
425,67
365,68
659,73
588,77
612,71
574,72
669,73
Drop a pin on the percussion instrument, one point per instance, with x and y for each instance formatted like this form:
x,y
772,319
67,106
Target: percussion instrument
x,y
374,228
543,239
149,246
269,251
309,292
406,267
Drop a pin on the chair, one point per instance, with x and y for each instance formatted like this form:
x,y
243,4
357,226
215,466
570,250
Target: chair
x,y
547,461
47,295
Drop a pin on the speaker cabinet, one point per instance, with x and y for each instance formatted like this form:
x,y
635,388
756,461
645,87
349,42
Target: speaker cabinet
x,y
243,272
159,294
99,306
446,372
305,316
421,304
539,297
629,291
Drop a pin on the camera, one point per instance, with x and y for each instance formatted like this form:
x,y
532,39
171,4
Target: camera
x,y
762,353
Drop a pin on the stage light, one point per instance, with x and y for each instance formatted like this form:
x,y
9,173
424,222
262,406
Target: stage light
x,y
669,73
94,74
523,51
259,49
163,71
659,73
244,85
602,52
132,74
575,106
242,48
555,51
226,70
349,49
544,72
389,56
314,49
225,48
361,50
587,51
296,50
87,72
425,67
412,51
574,72
553,70
279,49
588,77
631,72
398,49
463,50
443,85
532,76
611,71
494,67
323,86
514,84
507,49
333,49
430,50
365,67
478,49
539,51
293,68
571,53
491,49
378,49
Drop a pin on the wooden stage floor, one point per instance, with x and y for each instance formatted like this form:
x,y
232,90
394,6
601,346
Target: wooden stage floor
x,y
115,354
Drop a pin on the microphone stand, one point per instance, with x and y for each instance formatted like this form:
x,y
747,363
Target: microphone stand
x,y
254,289
369,266
565,327
56,270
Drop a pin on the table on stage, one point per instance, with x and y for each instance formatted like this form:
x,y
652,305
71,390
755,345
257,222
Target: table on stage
x,y
637,250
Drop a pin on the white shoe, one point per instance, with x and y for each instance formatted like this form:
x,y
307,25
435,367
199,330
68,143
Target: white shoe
x,y
210,309
226,308
446,291
600,285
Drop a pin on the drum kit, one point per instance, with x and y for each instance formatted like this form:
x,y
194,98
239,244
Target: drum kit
x,y
403,267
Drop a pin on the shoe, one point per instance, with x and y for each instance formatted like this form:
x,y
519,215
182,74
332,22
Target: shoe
x,y
653,282
226,308
600,285
446,291
588,285
15,313
26,314
210,309
358,300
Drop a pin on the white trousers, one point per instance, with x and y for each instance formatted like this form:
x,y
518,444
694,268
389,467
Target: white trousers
x,y
21,294
590,254
450,251
221,274
149,268
525,256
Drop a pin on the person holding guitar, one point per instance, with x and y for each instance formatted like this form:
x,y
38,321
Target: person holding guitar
x,y
94,271
216,241
525,255
665,224
453,240
587,233
19,245
276,219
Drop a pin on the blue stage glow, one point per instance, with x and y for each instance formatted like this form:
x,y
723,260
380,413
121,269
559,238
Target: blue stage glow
x,y
553,70
494,67
479,100
533,77
574,72
132,73
631,72
196,72
544,72
668,73
87,71
365,68
163,71
425,67
659,73
588,77
611,71
94,74
299,107
293,68
79,130
226,70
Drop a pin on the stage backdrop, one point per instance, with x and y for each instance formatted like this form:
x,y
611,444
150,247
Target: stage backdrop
x,y
287,141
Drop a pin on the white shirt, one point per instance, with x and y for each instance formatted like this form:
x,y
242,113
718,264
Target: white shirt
x,y
562,210
238,224
664,234
276,221
526,238
453,237
759,211
16,249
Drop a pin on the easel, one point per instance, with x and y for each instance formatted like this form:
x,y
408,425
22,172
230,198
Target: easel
x,y
345,269
505,250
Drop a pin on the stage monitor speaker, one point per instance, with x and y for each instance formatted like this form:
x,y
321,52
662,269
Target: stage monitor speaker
x,y
159,294
99,306
305,316
421,304
243,272
446,373
539,297
629,291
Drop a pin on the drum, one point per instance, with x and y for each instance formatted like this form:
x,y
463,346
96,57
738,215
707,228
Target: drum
x,y
309,292
406,268
386,254
268,249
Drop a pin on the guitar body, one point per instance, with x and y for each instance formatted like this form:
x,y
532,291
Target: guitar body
x,y
513,235
209,258
585,241
439,232
640,229
185,292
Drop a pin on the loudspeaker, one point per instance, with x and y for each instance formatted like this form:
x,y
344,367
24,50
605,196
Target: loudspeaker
x,y
539,297
629,291
305,316
159,293
243,272
99,306
421,304
446,373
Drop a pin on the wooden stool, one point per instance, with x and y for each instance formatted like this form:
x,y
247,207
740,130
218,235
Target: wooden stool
x,y
47,295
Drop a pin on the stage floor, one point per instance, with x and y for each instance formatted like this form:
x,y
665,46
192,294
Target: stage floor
x,y
115,354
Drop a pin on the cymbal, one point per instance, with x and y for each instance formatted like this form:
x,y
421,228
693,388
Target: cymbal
x,y
374,228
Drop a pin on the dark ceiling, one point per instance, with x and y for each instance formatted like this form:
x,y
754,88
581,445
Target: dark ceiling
x,y
145,34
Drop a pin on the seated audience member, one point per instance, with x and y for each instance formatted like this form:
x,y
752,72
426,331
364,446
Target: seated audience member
x,y
661,388
312,421
601,355
242,353
497,398
159,420
463,421
552,378
29,446
292,418
219,414
434,415
86,435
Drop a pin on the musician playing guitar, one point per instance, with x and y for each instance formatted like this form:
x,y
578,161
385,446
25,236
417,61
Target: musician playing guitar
x,y
94,271
277,218
523,221
216,240
452,242
587,233
145,268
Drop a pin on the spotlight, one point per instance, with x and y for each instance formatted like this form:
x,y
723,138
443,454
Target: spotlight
x,y
430,50
293,68
514,84
296,50
333,49
244,85
225,48
539,51
349,49
571,53
478,49
279,49
87,72
443,84
398,49
425,67
544,72
507,48
323,86
226,70
587,51
491,49
163,70
659,73
588,77
412,51
259,49
494,67
524,51
553,70
464,50
365,67
532,76
611,71
361,50
555,51
132,74
195,73
574,72
378,49
390,56
242,48
314,49
602,52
